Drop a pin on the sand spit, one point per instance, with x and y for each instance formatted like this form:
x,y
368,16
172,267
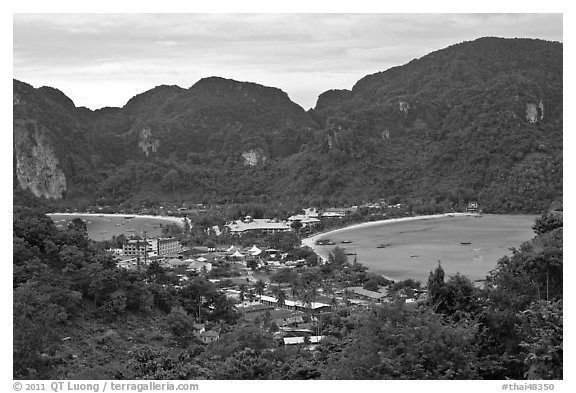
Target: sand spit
x,y
176,220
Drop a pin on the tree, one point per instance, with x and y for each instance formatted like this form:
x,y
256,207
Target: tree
x,y
371,285
36,324
252,264
171,180
454,297
397,342
284,241
280,296
197,296
547,222
542,331
181,325
259,287
245,364
337,257
155,271
296,226
242,294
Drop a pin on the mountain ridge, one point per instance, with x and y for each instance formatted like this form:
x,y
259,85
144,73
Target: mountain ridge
x,y
476,120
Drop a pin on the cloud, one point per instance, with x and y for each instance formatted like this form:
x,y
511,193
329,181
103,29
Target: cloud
x,y
300,53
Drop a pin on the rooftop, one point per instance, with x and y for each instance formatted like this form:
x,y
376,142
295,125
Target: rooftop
x,y
257,224
301,340
292,303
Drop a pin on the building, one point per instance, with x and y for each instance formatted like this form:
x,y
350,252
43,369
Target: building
x,y
198,265
262,225
167,246
302,340
472,207
306,221
137,247
283,317
160,247
209,336
365,294
177,262
296,305
206,336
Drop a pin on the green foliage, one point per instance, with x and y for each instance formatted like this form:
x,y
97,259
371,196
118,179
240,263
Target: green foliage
x,y
37,323
456,297
371,285
394,342
284,241
337,257
547,222
149,363
240,338
181,325
517,287
436,133
542,330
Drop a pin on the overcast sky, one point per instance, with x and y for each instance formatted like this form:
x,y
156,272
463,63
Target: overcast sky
x,y
104,59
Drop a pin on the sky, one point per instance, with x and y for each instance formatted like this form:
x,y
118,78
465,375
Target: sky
x,y
105,59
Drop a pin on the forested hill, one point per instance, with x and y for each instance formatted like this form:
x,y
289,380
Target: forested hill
x,y
479,120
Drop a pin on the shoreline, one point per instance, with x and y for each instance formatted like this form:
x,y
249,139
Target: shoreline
x,y
176,220
311,241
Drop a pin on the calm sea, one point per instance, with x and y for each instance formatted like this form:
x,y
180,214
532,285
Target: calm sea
x,y
413,248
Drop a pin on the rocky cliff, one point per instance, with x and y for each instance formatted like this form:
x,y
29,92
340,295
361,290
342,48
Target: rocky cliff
x,y
36,165
479,120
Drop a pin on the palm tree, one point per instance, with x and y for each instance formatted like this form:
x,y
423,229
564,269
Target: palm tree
x,y
281,298
242,295
334,302
260,285
308,296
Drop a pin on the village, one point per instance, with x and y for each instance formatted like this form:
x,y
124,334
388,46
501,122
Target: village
x,y
266,283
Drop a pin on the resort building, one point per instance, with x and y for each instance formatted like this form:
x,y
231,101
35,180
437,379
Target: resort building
x,y
199,265
472,207
262,225
138,247
168,246
150,247
306,221
302,340
364,294
295,305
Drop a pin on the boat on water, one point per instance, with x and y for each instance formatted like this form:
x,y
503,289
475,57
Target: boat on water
x,y
383,245
325,242
346,241
351,253
128,217
465,243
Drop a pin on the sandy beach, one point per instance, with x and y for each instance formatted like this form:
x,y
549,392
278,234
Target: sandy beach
x,y
176,220
311,241
467,243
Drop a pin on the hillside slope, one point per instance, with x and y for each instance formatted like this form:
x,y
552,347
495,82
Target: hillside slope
x,y
479,120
